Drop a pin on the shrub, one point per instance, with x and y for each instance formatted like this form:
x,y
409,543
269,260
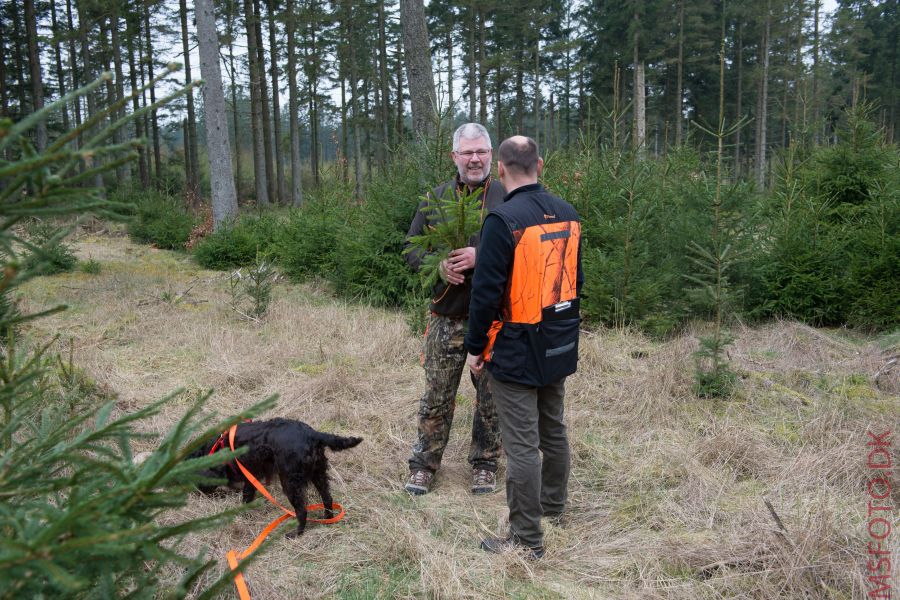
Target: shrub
x,y
304,245
160,220
48,254
237,244
368,259
80,518
831,227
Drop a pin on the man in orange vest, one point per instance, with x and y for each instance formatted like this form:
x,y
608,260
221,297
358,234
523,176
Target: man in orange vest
x,y
523,326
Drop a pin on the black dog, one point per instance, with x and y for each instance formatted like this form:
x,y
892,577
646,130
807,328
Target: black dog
x,y
292,449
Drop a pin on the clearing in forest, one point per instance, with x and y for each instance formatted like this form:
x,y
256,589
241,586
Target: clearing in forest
x,y
667,494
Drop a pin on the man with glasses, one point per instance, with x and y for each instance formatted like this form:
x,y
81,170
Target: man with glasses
x,y
445,355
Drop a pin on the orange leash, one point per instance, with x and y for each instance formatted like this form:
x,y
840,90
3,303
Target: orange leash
x,y
232,556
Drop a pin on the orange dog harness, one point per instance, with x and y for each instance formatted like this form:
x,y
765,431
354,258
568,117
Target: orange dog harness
x,y
232,556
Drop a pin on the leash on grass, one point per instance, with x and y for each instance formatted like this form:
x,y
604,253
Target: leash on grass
x,y
233,557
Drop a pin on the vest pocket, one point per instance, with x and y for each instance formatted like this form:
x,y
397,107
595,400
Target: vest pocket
x,y
557,349
510,350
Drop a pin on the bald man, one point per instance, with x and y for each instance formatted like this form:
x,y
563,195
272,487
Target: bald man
x,y
523,329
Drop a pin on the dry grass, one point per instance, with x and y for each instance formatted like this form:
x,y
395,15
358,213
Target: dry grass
x,y
666,492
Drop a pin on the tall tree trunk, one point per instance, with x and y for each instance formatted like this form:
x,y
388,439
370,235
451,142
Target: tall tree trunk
x,y
798,68
482,71
398,71
537,95
259,158
264,103
293,106
135,106
763,101
123,172
473,82
417,53
679,83
498,103
88,76
60,74
449,41
4,93
232,17
194,173
73,66
276,109
815,74
640,110
739,114
224,198
520,91
344,158
157,156
383,83
19,64
354,90
37,84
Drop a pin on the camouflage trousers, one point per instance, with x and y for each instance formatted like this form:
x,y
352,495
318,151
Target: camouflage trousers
x,y
444,362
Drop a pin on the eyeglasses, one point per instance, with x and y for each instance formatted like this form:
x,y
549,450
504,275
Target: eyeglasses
x,y
467,154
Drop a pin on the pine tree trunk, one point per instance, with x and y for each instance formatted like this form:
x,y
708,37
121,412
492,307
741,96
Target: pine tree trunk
x,y
264,104
276,108
193,182
815,74
232,9
60,74
740,96
520,91
398,68
354,90
4,93
679,84
123,173
224,199
37,84
88,76
73,66
537,96
417,53
473,82
259,158
498,104
798,68
157,157
763,102
383,83
293,106
19,61
482,72
345,145
451,104
640,110
135,106
145,119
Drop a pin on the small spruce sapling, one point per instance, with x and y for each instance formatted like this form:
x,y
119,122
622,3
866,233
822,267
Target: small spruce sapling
x,y
452,220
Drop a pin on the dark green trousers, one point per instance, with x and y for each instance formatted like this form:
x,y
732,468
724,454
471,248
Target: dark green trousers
x,y
531,426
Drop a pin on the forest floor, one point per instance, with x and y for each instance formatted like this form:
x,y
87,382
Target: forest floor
x,y
667,493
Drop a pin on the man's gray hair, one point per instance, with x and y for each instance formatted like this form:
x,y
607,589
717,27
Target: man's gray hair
x,y
470,131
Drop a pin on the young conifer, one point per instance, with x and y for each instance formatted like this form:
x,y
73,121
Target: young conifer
x,y
79,516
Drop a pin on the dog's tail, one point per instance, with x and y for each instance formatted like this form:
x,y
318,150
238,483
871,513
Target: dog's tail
x,y
337,442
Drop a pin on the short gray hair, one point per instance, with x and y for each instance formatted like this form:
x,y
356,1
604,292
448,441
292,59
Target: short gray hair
x,y
470,131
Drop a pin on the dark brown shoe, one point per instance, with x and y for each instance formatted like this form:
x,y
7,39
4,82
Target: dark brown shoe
x,y
501,545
